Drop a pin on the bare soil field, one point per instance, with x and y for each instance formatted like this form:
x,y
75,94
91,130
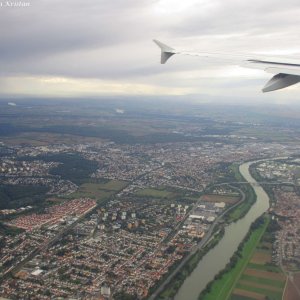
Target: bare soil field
x,y
220,198
297,279
291,292
265,274
248,294
261,286
261,258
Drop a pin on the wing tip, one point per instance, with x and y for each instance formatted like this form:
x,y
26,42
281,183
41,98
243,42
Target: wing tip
x,y
166,51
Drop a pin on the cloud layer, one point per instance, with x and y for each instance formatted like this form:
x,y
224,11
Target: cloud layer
x,y
101,47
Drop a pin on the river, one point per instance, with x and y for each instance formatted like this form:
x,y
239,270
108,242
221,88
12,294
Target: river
x,y
217,258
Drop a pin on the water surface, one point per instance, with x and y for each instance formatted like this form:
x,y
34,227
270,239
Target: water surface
x,y
217,258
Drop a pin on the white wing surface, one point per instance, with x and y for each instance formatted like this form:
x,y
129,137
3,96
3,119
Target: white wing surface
x,y
287,71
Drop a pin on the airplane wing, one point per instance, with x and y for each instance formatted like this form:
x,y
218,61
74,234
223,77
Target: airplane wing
x,y
287,71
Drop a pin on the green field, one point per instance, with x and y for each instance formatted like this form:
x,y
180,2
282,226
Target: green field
x,y
221,288
239,211
98,191
112,185
93,193
154,193
250,197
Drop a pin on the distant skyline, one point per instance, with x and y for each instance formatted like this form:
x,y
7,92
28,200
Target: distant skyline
x,y
71,48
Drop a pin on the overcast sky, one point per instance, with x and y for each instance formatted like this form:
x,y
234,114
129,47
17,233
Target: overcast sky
x,y
104,47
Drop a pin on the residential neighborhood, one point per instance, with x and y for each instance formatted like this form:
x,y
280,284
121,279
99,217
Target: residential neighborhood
x,y
143,210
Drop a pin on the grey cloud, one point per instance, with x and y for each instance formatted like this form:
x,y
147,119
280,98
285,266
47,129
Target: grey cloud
x,y
49,27
250,17
111,39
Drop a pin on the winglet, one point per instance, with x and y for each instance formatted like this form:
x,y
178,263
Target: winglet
x,y
166,51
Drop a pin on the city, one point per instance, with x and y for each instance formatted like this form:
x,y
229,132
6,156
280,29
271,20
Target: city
x,y
149,150
143,208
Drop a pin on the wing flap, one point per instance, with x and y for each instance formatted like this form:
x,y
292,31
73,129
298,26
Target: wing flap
x,y
280,81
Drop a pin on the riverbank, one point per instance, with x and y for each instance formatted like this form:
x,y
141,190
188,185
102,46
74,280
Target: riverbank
x,y
171,289
218,257
243,207
171,282
221,287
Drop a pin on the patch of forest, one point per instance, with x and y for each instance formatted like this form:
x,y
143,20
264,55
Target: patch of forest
x,y
72,166
15,196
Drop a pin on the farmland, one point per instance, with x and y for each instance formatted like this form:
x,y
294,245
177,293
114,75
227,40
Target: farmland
x,y
291,290
260,279
221,288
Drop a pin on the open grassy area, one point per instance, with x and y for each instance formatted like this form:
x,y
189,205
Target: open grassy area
x,y
239,211
155,193
250,197
98,191
221,288
112,185
244,206
236,173
90,193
